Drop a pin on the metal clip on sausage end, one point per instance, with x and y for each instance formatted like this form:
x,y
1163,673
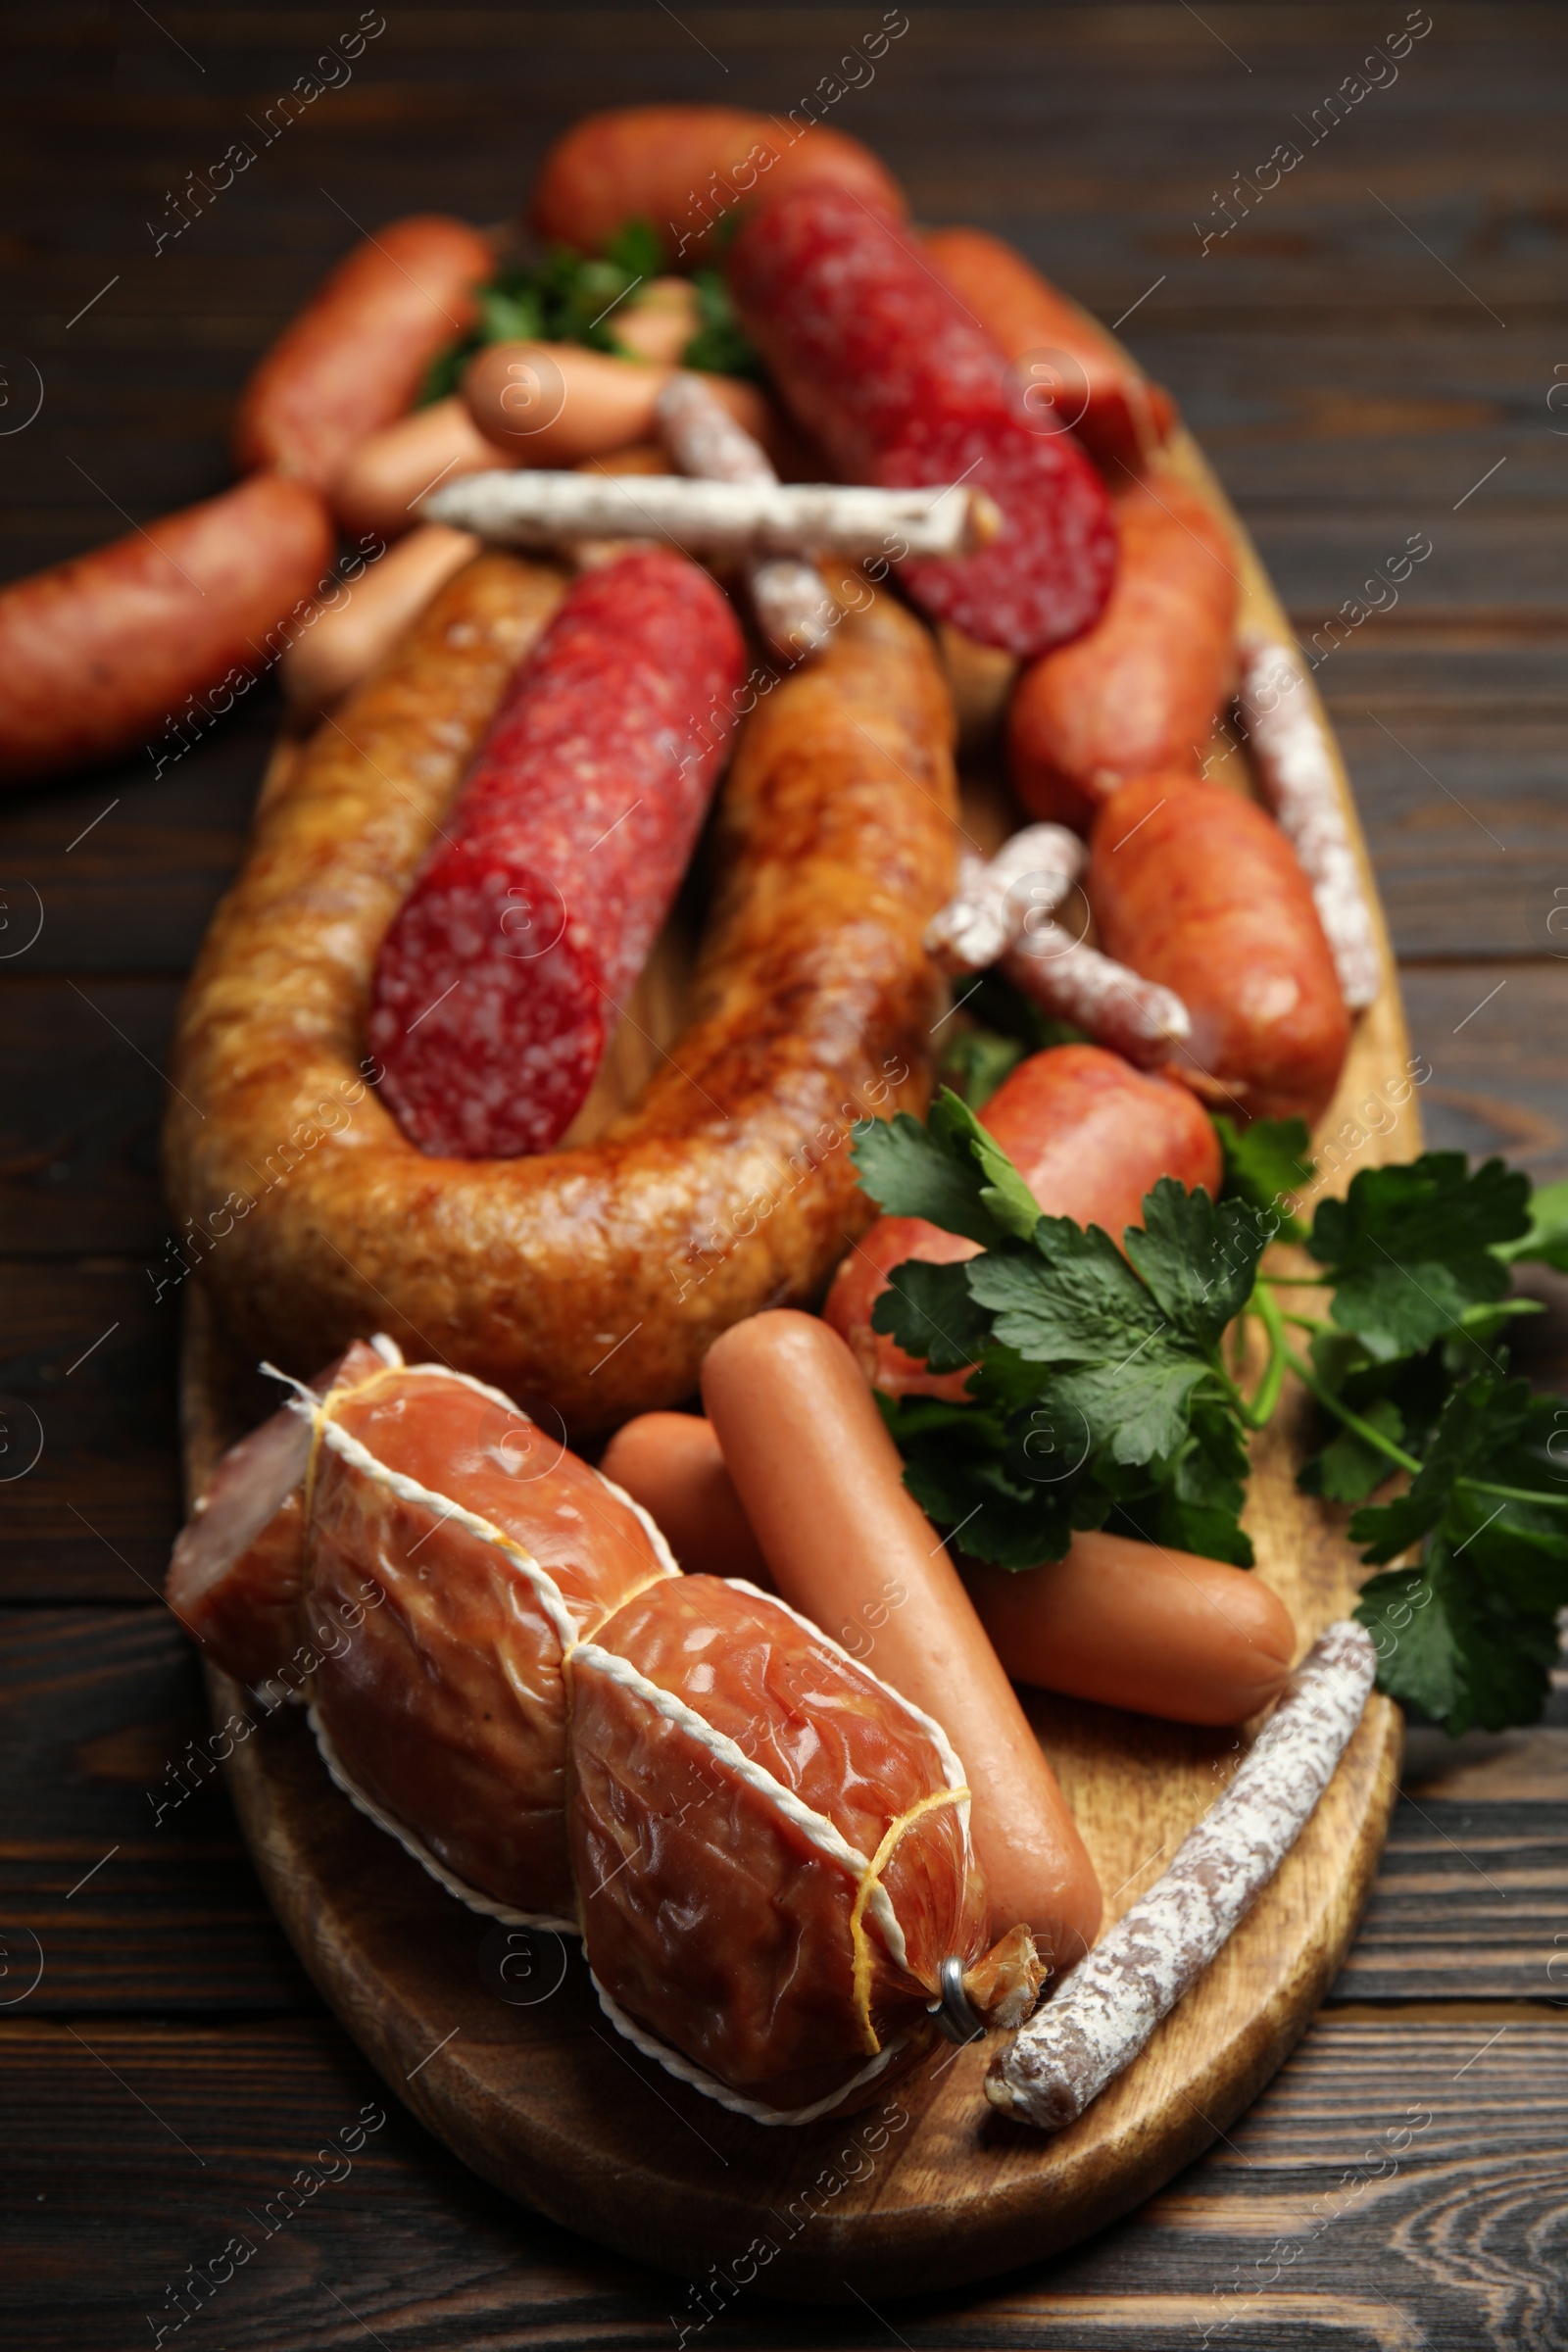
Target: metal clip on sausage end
x,y
952,2013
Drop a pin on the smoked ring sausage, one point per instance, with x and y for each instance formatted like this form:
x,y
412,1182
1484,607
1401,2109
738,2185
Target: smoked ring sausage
x,y
591,1280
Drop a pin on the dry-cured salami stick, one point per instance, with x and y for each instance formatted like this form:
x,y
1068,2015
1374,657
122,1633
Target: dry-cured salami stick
x,y
741,518
1110,2006
1024,883
794,610
500,981
1289,742
1001,913
1075,983
881,361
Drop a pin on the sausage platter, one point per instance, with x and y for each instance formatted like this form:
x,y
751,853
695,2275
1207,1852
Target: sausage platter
x,y
493,2038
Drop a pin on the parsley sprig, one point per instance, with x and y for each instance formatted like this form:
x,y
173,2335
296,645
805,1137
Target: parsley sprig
x,y
574,298
1100,1391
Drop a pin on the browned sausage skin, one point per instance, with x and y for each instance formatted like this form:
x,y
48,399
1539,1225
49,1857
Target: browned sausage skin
x,y
1081,379
1141,689
98,654
354,356
1090,1135
682,169
592,1277
1198,888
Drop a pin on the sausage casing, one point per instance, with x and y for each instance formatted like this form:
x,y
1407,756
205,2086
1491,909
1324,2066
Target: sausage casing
x,y
352,359
1198,888
1141,689
594,1277
96,653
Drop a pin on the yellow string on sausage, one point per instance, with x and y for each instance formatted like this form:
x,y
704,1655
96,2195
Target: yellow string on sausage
x,y
858,1938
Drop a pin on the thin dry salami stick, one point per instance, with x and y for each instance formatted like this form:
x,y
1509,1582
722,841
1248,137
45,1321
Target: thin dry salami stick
x,y
793,608
1112,2001
1286,733
1115,1006
999,897
760,519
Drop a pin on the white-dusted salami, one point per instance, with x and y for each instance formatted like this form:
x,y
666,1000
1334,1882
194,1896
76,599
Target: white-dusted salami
x,y
739,518
1115,1006
794,611
1000,898
1111,2004
1291,744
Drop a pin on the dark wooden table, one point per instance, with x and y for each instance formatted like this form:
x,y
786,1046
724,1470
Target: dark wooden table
x,y
1376,348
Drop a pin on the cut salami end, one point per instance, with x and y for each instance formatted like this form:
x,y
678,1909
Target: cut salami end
x,y
501,978
1047,574
489,1020
894,374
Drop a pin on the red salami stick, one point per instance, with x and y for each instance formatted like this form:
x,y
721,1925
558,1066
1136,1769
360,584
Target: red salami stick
x,y
501,978
880,360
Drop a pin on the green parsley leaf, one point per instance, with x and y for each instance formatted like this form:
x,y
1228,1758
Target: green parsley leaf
x,y
1412,1247
929,1311
910,1171
1456,1651
1004,1194
975,1062
1265,1164
1546,1240
1198,1260
720,345
1349,1469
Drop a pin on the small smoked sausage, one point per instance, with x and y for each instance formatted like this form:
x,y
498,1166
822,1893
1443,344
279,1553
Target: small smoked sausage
x,y
353,358
97,652
822,1484
1198,888
1090,1136
340,642
683,169
1141,689
385,476
1132,1625
1080,380
671,1464
556,404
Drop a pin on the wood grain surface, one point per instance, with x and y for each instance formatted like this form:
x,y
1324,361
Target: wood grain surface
x,y
1350,389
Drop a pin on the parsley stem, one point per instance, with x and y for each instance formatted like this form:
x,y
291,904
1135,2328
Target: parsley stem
x,y
1485,1486
1364,1430
1267,1394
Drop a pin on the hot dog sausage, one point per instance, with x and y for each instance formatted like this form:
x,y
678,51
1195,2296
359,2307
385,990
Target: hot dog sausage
x,y
671,1464
1080,380
385,476
684,169
594,1277
354,356
1140,690
558,404
824,1488
1132,1625
1090,1135
497,985
96,653
1196,888
881,361
339,643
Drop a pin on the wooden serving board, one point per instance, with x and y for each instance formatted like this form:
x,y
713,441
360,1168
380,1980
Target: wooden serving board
x,y
496,2041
